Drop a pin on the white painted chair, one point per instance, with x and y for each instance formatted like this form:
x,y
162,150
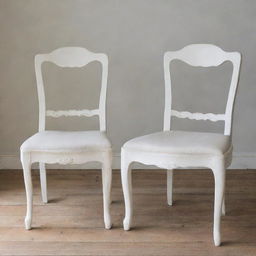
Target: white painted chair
x,y
180,149
66,147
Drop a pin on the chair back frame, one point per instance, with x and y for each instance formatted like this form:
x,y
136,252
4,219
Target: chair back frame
x,y
201,55
71,57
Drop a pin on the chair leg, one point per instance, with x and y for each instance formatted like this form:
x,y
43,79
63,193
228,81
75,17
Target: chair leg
x,y
43,182
223,208
106,184
169,186
127,190
219,177
29,188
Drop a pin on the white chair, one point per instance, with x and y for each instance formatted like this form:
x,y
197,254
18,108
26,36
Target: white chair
x,y
180,149
66,147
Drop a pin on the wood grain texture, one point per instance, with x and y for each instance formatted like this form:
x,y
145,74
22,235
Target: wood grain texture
x,y
72,223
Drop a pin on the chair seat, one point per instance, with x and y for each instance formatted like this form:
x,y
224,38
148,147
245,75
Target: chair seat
x,y
66,141
181,142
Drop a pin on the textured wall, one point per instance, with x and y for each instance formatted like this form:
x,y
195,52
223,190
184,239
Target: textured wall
x,y
135,34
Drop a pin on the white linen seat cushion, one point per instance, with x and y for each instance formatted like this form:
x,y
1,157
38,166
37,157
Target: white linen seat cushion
x,y
181,142
66,141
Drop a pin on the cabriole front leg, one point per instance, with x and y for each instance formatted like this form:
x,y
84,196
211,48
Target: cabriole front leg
x,y
219,177
26,164
127,190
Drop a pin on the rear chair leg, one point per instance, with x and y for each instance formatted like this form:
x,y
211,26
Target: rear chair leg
x,y
106,184
43,182
169,186
223,208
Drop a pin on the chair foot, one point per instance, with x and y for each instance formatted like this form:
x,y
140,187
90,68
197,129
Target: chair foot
x,y
45,200
126,224
28,223
108,224
217,239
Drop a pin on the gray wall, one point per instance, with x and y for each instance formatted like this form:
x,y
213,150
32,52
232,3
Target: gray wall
x,y
134,34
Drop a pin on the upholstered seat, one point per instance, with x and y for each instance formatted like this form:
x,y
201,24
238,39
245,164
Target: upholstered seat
x,y
67,141
181,142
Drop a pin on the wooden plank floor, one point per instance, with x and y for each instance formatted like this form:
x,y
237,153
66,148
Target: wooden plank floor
x,y
72,223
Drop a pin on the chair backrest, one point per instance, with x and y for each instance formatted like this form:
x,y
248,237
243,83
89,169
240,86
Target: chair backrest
x,y
71,57
201,55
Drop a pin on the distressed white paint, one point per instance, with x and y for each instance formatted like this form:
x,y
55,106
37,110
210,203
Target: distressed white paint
x,y
199,55
68,57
